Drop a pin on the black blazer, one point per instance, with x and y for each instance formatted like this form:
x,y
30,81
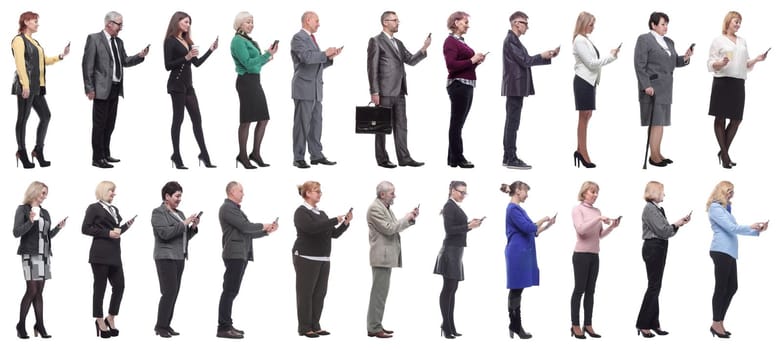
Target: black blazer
x,y
455,222
314,232
97,223
28,231
181,77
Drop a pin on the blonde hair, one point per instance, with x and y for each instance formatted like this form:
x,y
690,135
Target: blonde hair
x,y
720,194
586,186
653,191
33,191
582,22
729,17
240,18
102,190
306,187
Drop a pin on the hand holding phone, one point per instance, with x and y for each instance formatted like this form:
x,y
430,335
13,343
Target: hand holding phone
x,y
275,43
429,36
276,220
199,214
765,54
483,218
692,46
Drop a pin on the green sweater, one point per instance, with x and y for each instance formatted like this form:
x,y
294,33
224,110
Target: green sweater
x,y
247,58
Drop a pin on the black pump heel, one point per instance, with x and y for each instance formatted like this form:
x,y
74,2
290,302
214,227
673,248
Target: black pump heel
x,y
101,333
204,158
578,159
245,162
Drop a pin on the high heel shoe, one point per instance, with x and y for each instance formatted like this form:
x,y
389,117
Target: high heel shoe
x,y
176,160
662,332
21,332
258,160
40,330
101,333
21,156
204,158
112,331
646,334
245,162
723,162
446,334
578,159
719,335
521,334
592,333
578,336
37,154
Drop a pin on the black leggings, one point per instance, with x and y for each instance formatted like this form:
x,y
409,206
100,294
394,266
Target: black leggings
x,y
447,301
179,102
725,284
33,295
585,269
37,102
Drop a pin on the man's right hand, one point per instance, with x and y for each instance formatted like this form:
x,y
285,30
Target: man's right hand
x,y
375,99
91,95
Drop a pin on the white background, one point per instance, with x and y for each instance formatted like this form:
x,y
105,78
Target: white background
x,y
265,307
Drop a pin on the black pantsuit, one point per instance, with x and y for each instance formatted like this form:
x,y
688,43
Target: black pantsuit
x,y
654,252
169,274
585,269
232,281
725,284
461,102
25,106
116,277
104,117
312,282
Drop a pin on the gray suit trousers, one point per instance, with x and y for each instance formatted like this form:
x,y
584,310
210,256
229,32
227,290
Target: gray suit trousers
x,y
398,106
307,127
381,279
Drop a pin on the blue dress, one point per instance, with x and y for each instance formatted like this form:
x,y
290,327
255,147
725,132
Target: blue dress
x,y
521,260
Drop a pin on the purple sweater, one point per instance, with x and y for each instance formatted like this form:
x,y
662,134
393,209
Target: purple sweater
x,y
457,59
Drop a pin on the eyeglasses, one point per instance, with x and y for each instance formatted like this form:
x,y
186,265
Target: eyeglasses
x,y
464,193
391,20
522,22
118,24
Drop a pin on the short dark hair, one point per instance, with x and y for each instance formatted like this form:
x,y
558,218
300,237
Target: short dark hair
x,y
170,188
655,17
516,15
385,15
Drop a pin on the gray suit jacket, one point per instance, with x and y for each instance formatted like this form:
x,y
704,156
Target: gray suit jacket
x,y
386,66
308,65
654,224
654,67
238,232
385,248
97,66
171,234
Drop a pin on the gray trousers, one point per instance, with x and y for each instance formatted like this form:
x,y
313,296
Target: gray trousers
x,y
399,115
307,127
381,279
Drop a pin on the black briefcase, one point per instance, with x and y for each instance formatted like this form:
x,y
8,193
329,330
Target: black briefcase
x,y
373,120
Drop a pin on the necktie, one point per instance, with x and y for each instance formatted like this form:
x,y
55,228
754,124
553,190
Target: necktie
x,y
394,44
313,39
117,63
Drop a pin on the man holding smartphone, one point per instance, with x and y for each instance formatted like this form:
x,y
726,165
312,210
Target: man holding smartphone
x,y
386,59
385,253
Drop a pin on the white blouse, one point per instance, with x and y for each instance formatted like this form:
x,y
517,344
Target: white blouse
x,y
737,52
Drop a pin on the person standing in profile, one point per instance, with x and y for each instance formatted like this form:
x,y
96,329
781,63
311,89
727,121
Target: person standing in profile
x,y
102,69
386,59
307,91
238,235
517,83
385,253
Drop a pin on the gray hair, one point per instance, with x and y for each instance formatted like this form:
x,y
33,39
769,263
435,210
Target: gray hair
x,y
307,15
384,187
240,18
111,16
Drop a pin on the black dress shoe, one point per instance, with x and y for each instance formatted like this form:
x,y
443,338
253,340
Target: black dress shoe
x,y
230,334
323,161
310,334
111,159
172,331
411,163
237,330
668,161
101,163
662,163
465,164
300,164
163,333
322,332
387,164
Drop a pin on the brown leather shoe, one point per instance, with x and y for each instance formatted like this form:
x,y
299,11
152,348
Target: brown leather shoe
x,y
230,334
388,331
381,334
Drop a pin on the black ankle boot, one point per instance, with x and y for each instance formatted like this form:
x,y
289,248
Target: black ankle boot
x,y
21,156
21,332
38,155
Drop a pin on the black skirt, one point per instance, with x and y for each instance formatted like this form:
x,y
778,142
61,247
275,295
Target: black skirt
x,y
449,263
727,98
585,94
252,100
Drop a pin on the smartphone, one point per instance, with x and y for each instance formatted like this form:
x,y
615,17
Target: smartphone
x,y
65,219
146,49
487,53
619,218
69,45
764,54
133,218
276,42
692,46
555,216
341,47
277,219
483,218
418,206
199,214
429,36
620,46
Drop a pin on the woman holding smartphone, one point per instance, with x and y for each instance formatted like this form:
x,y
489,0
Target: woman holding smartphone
x,y
173,232
180,54
103,222
656,232
33,227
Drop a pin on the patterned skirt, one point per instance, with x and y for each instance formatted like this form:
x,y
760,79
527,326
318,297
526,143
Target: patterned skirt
x,y
36,267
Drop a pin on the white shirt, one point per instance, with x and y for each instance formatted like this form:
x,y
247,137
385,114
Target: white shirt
x,y
114,76
661,41
737,52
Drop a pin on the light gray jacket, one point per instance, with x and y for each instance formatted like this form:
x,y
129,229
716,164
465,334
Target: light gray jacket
x,y
308,65
385,247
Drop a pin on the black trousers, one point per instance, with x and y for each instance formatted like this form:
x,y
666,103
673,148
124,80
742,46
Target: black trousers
x,y
180,101
104,117
25,106
399,124
654,252
461,102
513,106
114,274
169,275
232,281
447,304
725,284
312,282
585,269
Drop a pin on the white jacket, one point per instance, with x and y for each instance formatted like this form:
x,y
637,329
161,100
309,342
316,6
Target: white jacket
x,y
587,62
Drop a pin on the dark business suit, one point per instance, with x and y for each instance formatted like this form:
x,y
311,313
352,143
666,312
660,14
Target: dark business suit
x,y
307,92
180,87
105,256
170,252
388,80
98,71
449,261
654,68
516,84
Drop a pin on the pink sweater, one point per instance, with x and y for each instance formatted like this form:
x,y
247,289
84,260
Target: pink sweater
x,y
589,228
